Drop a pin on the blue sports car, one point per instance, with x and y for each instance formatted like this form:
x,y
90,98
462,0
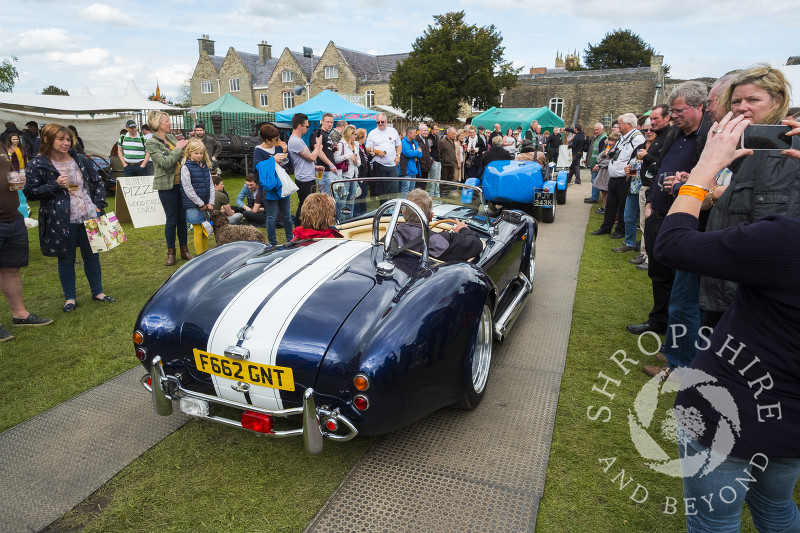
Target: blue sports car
x,y
329,338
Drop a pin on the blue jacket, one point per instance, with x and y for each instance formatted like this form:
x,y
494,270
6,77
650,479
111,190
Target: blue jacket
x,y
268,179
409,158
201,178
246,197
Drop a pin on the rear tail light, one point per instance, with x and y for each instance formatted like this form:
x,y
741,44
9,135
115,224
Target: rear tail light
x,y
141,353
361,402
257,422
331,425
361,382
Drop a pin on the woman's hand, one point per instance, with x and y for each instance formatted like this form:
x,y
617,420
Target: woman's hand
x,y
720,149
63,181
182,144
795,125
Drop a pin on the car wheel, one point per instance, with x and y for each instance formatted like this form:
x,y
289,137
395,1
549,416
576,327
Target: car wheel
x,y
561,196
549,214
480,359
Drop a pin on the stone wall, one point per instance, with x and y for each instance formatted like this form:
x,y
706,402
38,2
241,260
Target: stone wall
x,y
598,93
234,68
204,71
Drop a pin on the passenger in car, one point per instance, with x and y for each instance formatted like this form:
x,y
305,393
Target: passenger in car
x,y
317,217
458,244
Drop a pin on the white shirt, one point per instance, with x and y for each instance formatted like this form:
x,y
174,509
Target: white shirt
x,y
386,141
625,146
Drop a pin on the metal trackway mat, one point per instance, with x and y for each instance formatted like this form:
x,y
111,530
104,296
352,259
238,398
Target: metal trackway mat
x,y
52,462
484,470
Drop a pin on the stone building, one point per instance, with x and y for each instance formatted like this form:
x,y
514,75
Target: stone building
x,y
267,82
590,96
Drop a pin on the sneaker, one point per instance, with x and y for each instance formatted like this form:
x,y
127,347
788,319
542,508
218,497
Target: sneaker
x,y
623,248
577,182
638,260
32,320
5,335
642,266
601,211
661,371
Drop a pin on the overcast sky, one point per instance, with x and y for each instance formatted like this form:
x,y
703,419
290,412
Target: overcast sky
x,y
102,46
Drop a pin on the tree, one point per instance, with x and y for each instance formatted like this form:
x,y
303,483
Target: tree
x,y
619,49
52,89
184,98
452,63
8,74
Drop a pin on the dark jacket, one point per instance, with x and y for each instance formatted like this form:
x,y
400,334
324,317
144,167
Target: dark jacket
x,y
213,146
54,202
445,245
765,183
554,143
647,171
495,153
425,160
578,142
669,139
201,183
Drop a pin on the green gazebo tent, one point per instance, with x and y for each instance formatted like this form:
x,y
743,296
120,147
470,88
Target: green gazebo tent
x,y
227,114
513,117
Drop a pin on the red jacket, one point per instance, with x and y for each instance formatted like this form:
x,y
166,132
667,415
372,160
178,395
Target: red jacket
x,y
301,233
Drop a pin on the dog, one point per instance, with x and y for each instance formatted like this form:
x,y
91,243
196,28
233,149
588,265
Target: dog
x,y
225,233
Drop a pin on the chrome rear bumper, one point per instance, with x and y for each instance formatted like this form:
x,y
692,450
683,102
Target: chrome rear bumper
x,y
165,389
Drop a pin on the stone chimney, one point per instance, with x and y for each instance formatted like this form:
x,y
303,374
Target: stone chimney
x,y
655,63
206,44
264,52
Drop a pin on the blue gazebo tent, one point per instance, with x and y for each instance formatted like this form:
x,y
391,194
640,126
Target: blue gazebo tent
x,y
330,102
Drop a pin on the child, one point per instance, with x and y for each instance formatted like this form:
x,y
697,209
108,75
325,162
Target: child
x,y
317,218
603,160
197,190
221,201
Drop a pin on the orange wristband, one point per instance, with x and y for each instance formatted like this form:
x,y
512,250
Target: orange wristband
x,y
694,191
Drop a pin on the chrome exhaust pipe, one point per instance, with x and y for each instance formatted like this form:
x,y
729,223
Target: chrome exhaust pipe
x,y
509,316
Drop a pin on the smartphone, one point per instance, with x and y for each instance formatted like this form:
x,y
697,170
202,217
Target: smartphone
x,y
769,137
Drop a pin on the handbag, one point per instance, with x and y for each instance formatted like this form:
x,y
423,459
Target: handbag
x,y
287,185
104,232
343,165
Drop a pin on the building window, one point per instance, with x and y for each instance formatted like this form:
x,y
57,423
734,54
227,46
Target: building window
x,y
607,120
333,89
287,76
557,106
369,98
206,87
263,99
331,72
288,99
233,84
475,108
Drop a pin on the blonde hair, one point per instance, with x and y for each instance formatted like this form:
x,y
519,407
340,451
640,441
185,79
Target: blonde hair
x,y
764,77
347,133
154,119
193,146
361,133
318,212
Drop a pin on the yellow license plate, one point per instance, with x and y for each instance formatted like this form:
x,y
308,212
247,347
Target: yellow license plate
x,y
275,377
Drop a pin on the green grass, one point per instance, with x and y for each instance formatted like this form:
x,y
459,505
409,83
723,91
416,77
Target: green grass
x,y
45,366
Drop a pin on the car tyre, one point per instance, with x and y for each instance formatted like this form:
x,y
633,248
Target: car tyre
x,y
478,363
549,214
561,196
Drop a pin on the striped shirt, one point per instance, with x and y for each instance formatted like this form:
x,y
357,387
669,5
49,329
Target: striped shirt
x,y
132,148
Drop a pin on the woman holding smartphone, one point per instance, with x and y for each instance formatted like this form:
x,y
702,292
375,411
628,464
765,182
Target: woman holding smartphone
x,y
761,184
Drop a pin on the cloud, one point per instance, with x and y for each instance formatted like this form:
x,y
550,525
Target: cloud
x,y
90,58
107,15
40,40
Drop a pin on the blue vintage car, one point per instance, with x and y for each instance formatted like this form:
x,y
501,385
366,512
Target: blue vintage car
x,y
330,338
525,185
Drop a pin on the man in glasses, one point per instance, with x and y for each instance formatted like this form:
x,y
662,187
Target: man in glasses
x,y
303,159
384,144
681,151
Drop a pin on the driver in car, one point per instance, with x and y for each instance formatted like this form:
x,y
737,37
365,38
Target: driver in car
x,y
457,244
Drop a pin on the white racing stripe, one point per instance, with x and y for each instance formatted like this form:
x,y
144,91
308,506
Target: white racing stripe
x,y
273,319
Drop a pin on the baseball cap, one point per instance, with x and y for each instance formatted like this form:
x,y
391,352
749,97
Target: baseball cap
x,y
130,124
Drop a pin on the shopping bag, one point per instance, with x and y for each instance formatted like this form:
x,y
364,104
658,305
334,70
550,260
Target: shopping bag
x,y
287,185
104,232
